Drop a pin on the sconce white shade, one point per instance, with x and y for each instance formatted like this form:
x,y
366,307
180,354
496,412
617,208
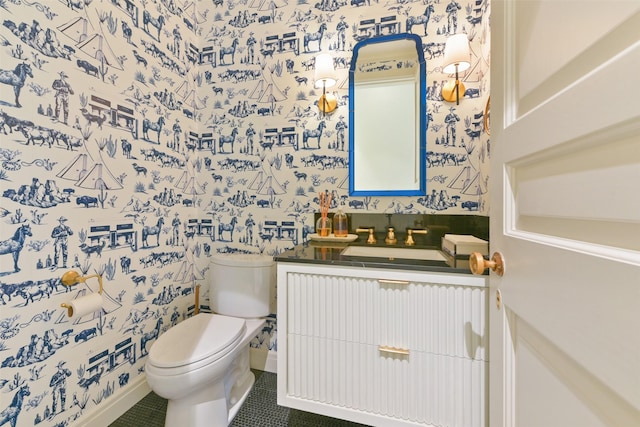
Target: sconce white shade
x,y
325,73
456,52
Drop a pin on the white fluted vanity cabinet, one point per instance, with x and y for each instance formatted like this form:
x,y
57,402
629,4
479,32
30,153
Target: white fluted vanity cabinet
x,y
383,347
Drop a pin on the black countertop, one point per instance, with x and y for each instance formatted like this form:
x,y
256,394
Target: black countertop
x,y
329,253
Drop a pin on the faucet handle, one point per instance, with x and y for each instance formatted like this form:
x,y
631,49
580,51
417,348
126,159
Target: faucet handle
x,y
371,240
410,231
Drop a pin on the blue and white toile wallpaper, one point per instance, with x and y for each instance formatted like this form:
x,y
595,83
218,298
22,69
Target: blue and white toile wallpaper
x,y
138,138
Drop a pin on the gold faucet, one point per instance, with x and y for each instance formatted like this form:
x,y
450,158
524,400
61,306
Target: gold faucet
x,y
410,231
391,237
371,240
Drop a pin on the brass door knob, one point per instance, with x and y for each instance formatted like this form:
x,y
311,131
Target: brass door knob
x,y
477,263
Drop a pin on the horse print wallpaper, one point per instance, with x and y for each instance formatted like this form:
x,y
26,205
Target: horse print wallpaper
x,y
139,138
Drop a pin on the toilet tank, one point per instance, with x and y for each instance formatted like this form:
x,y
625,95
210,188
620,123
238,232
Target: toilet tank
x,y
241,284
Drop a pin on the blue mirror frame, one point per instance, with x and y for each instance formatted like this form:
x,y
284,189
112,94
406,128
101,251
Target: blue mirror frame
x,y
421,137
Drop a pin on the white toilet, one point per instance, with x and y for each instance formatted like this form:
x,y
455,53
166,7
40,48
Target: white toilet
x,y
201,365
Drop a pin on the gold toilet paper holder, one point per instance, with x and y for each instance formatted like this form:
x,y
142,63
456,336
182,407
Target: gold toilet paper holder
x,y
71,278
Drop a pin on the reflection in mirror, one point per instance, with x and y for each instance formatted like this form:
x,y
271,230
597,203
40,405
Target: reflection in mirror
x,y
387,115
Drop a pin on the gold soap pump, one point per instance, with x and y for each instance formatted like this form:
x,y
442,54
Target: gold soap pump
x,y
340,224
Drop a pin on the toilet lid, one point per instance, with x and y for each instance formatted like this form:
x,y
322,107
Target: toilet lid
x,y
197,338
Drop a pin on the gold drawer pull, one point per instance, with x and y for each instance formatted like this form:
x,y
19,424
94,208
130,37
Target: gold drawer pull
x,y
393,282
394,350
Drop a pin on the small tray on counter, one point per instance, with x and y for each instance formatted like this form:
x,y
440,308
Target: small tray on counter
x,y
332,238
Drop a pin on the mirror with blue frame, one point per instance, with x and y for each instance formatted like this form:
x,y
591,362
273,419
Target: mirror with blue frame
x,y
387,117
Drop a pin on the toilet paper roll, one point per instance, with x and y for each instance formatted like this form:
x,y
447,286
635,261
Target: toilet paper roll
x,y
85,305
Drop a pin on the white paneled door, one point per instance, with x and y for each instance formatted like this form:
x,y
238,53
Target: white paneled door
x,y
565,213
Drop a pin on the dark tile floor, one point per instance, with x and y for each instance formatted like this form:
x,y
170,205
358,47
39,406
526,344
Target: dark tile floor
x,y
259,410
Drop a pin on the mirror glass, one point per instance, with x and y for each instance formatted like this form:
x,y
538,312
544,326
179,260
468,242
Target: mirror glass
x,y
387,115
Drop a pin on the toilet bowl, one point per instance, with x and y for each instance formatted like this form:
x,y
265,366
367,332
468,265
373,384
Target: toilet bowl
x,y
201,365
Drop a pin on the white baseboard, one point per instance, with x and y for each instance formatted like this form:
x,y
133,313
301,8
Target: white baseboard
x,y
127,397
264,360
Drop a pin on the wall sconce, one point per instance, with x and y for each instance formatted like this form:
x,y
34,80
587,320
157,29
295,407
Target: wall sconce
x,y
324,77
456,59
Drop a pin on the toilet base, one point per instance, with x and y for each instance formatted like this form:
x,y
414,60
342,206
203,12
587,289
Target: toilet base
x,y
245,389
217,404
205,407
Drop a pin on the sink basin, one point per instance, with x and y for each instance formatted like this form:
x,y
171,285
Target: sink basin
x,y
393,252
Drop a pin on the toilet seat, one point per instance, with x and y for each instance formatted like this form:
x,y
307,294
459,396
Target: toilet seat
x,y
198,341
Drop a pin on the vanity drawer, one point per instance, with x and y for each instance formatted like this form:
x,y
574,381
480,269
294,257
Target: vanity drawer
x,y
420,388
430,317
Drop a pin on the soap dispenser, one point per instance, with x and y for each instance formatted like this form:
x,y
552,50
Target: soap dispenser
x,y
340,224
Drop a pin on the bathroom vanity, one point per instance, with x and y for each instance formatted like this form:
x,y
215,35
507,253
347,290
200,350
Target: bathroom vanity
x,y
382,341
